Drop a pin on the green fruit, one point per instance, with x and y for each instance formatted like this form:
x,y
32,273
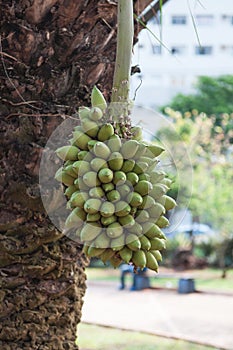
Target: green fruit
x,y
91,145
90,179
90,127
158,191
157,244
155,150
152,230
102,241
136,229
78,199
132,241
132,178
70,171
75,218
144,177
139,259
81,167
82,155
101,150
70,190
96,192
157,255
85,249
105,175
93,251
96,114
140,168
142,216
143,187
169,203
133,211
126,221
114,230
81,140
162,200
107,209
106,255
58,174
92,205
93,217
126,254
98,163
115,261
156,211
97,99
114,143
147,202
115,161
67,153
124,190
66,179
80,184
167,182
90,231
119,178
84,112
128,165
162,222
145,242
109,220
157,176
134,199
122,208
136,133
151,261
105,132
113,196
140,151
118,243
108,187
129,148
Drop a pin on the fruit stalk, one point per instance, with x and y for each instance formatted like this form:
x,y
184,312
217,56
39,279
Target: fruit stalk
x,y
120,91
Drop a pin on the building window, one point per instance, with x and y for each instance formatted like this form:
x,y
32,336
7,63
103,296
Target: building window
x,y
179,20
178,50
203,50
156,49
204,20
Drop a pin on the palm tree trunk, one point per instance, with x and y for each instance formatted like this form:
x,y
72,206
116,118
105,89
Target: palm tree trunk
x,y
52,52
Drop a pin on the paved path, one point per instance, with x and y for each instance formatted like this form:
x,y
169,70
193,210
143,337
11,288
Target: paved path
x,y
199,317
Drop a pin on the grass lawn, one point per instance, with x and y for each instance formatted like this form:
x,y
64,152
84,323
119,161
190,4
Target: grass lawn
x,y
92,337
205,280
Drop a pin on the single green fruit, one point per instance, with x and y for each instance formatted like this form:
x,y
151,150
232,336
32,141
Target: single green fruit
x,y
156,211
136,229
96,114
119,178
142,216
132,178
96,192
92,205
151,262
157,244
66,179
145,242
105,175
129,148
113,196
139,259
126,221
115,161
108,187
84,112
114,143
162,200
75,218
90,179
70,190
126,254
106,221
170,203
124,190
122,208
90,231
98,163
128,165
144,176
136,133
157,176
78,199
94,252
134,199
81,167
93,217
158,191
70,171
90,127
97,99
157,255
162,222
67,153
114,230
82,155
133,242
101,150
102,241
155,150
81,140
107,209
140,151
105,132
140,168
143,187
91,145
118,243
147,202
167,182
152,230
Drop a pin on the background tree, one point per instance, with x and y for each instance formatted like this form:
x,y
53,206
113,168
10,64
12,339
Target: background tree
x,y
52,53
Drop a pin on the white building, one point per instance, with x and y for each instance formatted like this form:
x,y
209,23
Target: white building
x,y
174,66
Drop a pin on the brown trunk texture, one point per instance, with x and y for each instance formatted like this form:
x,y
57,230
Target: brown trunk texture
x,y
52,52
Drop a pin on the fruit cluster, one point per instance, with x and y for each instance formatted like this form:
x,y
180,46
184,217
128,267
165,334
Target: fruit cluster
x,y
117,197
